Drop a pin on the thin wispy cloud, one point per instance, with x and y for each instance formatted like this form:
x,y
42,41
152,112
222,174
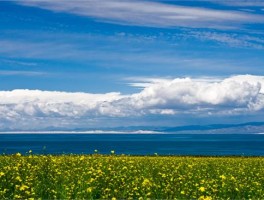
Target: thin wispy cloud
x,y
243,3
19,63
152,14
38,49
21,73
81,52
229,39
116,52
144,82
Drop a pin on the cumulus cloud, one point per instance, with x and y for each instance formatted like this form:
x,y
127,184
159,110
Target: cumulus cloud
x,y
147,13
202,96
191,94
48,103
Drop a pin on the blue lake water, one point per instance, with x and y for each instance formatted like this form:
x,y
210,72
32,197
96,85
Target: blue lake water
x,y
135,144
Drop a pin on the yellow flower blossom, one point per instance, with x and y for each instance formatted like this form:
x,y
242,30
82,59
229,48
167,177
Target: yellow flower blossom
x,y
89,189
23,187
18,178
205,198
146,182
2,174
17,196
18,154
202,189
223,177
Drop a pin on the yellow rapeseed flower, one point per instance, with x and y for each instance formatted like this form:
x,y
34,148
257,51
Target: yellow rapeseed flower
x,y
205,198
202,189
23,187
223,177
18,178
27,192
89,189
146,182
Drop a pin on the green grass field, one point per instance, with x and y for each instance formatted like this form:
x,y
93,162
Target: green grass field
x,y
130,177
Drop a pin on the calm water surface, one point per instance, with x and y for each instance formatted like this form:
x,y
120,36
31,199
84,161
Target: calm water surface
x,y
135,144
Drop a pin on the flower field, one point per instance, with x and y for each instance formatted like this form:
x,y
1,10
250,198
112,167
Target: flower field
x,y
130,177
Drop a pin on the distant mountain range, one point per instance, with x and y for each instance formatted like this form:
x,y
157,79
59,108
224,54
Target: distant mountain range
x,y
244,128
250,127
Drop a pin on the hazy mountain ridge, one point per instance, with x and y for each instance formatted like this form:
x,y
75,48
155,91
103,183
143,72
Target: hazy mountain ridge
x,y
250,127
244,128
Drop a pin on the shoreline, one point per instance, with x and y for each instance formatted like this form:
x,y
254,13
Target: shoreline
x,y
82,132
138,132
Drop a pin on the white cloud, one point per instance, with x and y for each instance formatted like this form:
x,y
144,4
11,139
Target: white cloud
x,y
77,50
19,63
229,96
243,3
190,94
147,13
21,73
143,82
41,49
119,54
230,39
47,103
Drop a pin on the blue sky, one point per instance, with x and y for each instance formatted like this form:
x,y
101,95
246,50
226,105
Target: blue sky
x,y
147,56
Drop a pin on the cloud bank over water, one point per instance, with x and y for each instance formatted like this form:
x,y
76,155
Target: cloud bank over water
x,y
198,96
